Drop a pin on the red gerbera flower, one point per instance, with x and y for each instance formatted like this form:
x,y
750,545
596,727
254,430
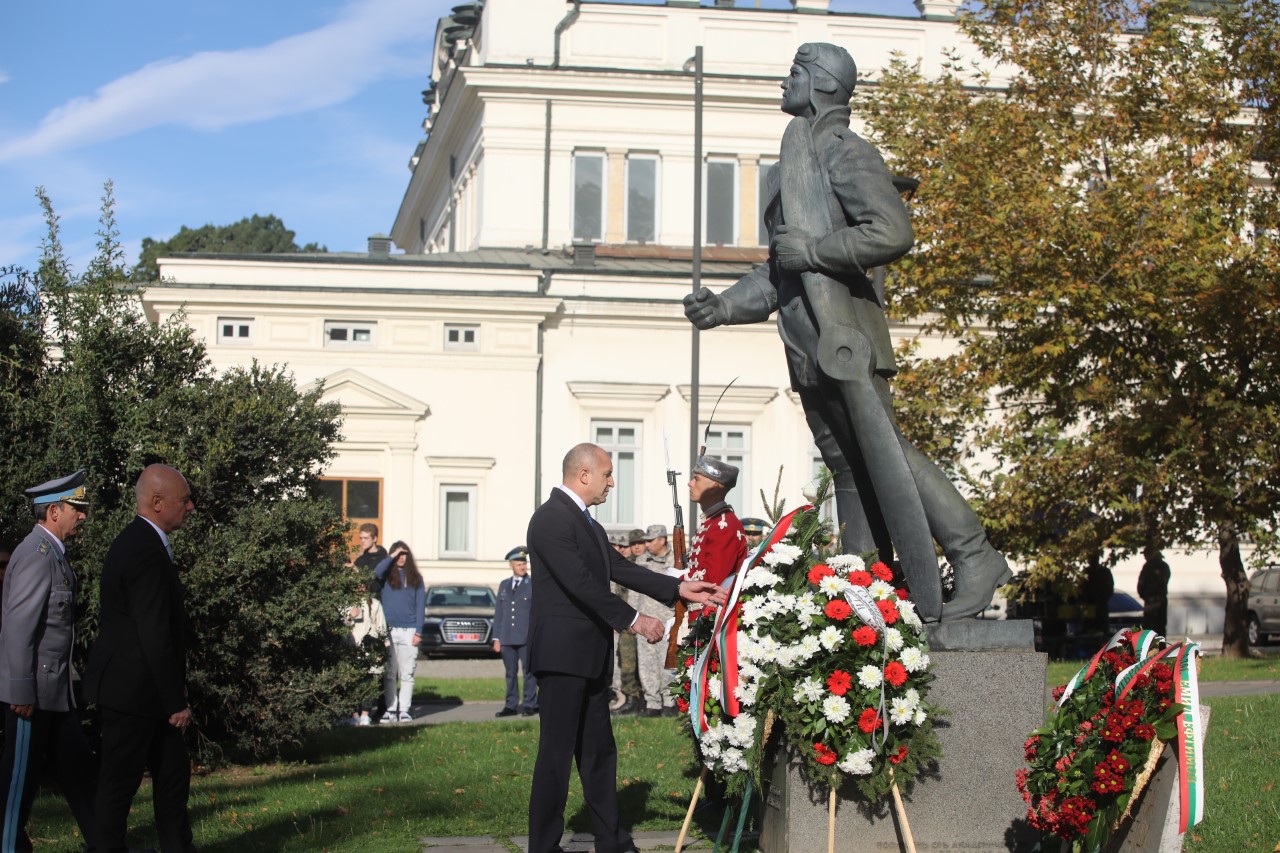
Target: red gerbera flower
x,y
864,635
820,571
860,578
837,609
902,594
882,571
899,755
1144,732
895,673
824,754
682,705
688,662
889,610
869,721
839,682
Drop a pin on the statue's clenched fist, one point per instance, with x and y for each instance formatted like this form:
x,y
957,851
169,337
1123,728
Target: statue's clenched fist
x,y
704,309
794,249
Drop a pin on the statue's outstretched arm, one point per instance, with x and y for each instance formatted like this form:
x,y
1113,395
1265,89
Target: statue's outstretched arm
x,y
749,300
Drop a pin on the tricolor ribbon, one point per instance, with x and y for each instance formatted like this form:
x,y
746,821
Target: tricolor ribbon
x,y
724,636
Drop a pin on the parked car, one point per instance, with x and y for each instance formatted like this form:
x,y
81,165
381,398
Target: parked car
x,y
1123,611
1263,611
459,620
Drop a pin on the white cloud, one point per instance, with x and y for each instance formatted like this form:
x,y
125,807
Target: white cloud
x,y
215,89
4,78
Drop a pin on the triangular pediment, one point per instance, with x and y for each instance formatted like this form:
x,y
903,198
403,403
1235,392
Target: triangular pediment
x,y
360,394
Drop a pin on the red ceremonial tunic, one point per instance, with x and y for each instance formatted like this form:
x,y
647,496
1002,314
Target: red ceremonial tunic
x,y
718,548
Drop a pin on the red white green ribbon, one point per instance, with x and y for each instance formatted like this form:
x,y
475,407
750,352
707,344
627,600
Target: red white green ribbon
x,y
1186,692
724,639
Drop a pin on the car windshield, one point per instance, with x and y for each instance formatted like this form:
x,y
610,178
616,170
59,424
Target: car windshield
x,y
1123,602
459,596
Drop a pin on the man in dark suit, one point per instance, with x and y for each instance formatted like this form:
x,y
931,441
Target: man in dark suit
x,y
137,668
571,648
511,634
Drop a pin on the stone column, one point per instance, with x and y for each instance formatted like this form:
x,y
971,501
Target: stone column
x,y
749,199
616,200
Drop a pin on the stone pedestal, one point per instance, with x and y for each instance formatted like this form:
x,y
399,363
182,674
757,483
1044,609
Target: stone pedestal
x,y
991,683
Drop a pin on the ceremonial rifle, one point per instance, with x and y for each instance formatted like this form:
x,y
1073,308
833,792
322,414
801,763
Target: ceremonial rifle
x,y
677,554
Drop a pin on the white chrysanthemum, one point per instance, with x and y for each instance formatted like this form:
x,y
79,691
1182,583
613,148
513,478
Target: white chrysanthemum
x,y
809,690
900,711
745,723
809,645
894,638
710,746
881,590
907,611
919,717
857,763
870,676
760,577
748,648
733,761
746,693
914,659
835,709
847,563
833,586
913,696
713,687
749,671
782,554
831,638
787,602
750,612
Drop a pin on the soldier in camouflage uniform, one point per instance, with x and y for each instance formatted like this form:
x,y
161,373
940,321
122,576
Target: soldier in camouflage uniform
x,y
654,676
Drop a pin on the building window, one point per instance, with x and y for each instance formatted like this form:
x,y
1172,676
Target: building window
x,y
588,197
642,198
235,330
721,206
828,508
621,440
460,337
358,500
762,199
343,333
732,444
458,522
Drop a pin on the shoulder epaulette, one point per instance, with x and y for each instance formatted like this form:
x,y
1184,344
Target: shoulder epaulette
x,y
43,547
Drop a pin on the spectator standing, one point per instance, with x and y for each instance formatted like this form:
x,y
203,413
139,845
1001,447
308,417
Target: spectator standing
x,y
1153,589
371,553
1099,584
753,529
628,645
367,620
137,669
511,634
40,723
404,603
654,676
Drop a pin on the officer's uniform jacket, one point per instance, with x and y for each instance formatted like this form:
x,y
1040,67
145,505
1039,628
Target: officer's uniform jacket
x,y
717,549
875,229
511,617
38,626
658,564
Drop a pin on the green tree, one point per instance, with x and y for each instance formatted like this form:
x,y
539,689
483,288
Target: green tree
x,y
263,556
1100,235
253,235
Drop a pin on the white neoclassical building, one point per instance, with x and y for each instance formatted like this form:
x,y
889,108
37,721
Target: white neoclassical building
x,y
531,299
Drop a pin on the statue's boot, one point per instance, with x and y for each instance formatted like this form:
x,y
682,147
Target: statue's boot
x,y
979,568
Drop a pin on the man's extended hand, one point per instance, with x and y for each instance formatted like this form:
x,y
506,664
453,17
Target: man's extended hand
x,y
24,711
704,309
795,250
649,628
701,592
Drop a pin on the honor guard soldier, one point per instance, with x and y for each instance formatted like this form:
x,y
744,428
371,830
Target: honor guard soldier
x,y
39,607
753,528
720,545
511,634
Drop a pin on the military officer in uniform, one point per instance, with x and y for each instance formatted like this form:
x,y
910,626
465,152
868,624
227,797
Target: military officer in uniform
x,y
753,528
720,545
651,658
39,606
511,634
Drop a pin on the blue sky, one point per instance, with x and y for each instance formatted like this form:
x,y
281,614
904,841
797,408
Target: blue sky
x,y
210,112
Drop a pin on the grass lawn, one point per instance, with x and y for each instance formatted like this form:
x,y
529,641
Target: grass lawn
x,y
1214,668
464,689
379,789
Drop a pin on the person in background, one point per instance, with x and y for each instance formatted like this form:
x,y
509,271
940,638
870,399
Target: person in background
x,y
1153,589
628,646
635,539
371,553
1095,595
511,634
367,620
753,529
655,678
40,723
404,603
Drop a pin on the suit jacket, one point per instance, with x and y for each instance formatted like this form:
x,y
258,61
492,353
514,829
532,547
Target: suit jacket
x,y
511,616
38,626
873,228
138,663
574,613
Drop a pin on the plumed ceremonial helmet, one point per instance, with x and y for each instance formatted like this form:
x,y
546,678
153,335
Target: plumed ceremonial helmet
x,y
834,61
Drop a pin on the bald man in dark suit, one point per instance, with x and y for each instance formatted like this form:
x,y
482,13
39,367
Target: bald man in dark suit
x,y
571,648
